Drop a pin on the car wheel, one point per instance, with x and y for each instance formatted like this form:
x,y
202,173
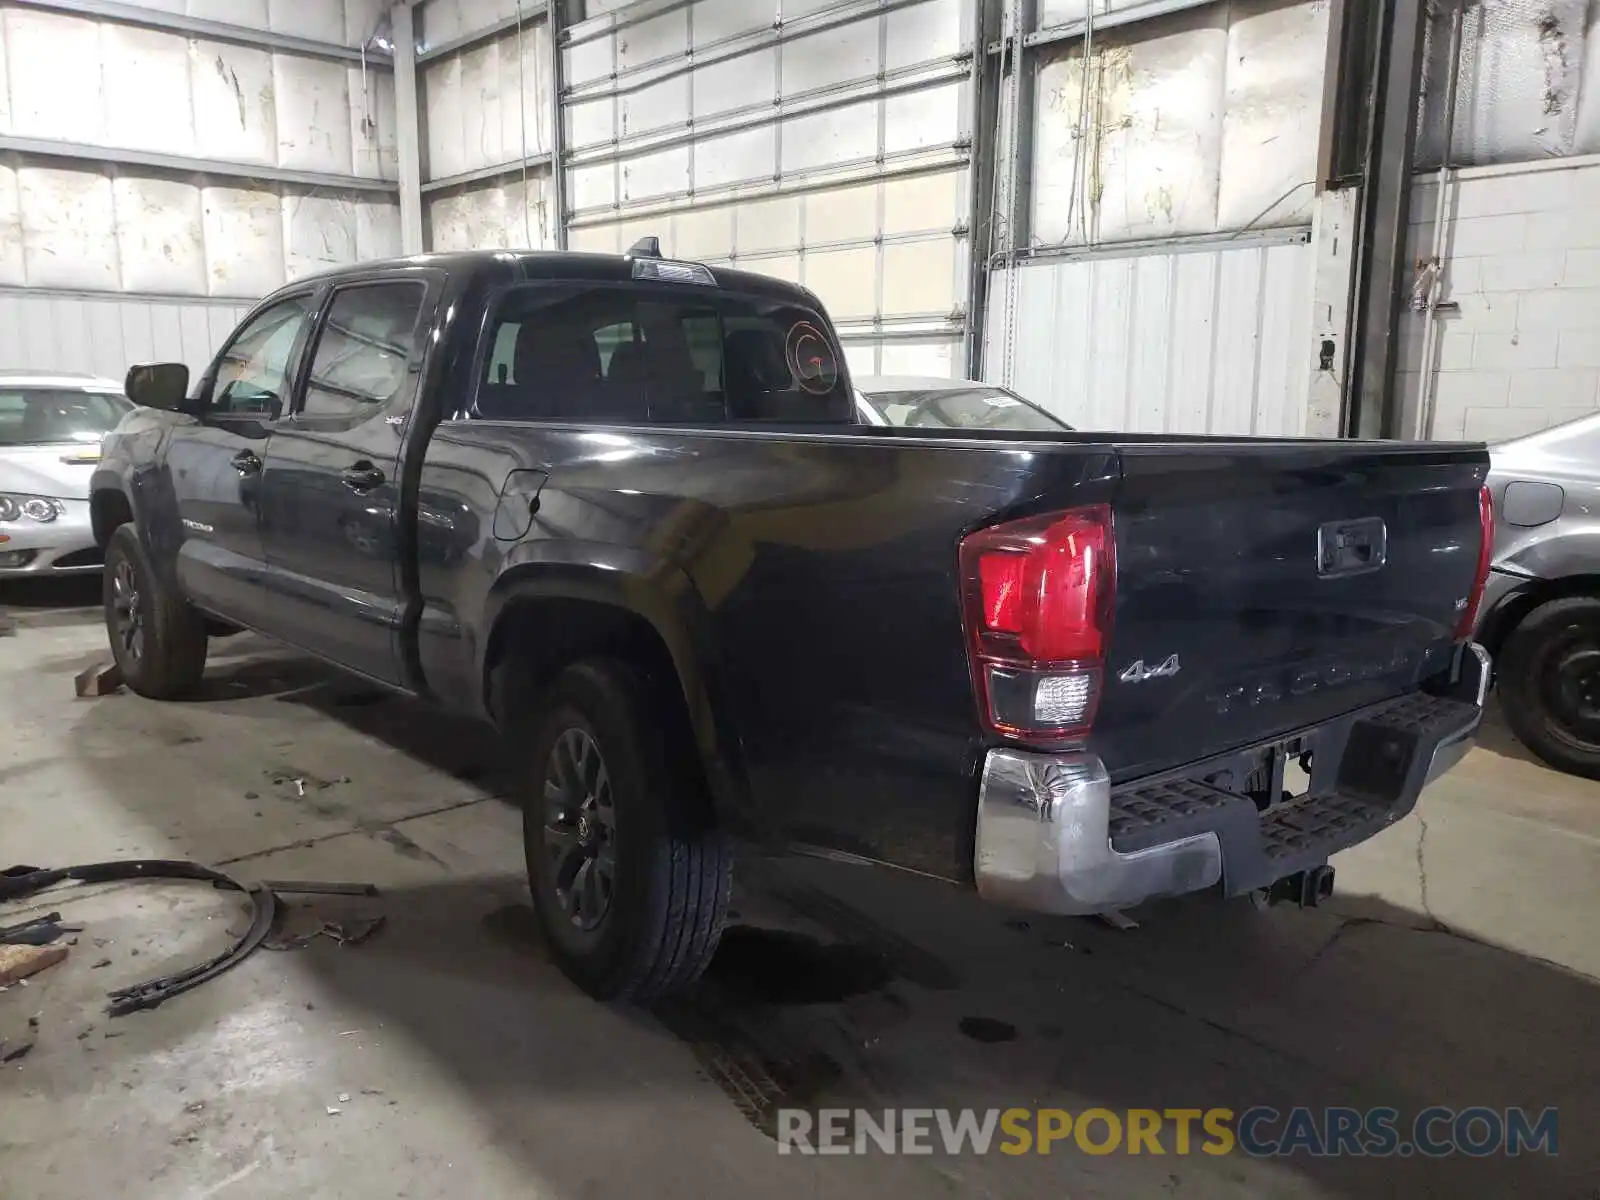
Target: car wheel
x,y
629,876
157,639
1549,680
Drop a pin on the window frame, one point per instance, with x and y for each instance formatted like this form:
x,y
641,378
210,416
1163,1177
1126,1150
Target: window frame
x,y
416,357
715,298
207,394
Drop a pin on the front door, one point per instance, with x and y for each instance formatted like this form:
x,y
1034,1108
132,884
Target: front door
x,y
331,487
215,465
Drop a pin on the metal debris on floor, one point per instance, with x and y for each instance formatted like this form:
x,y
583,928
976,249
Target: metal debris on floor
x,y
267,916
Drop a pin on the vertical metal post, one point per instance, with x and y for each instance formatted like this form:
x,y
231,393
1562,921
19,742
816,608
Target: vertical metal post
x,y
1385,220
1019,192
984,117
558,175
408,119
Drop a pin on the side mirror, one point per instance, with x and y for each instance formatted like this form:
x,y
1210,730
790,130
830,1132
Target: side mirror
x,y
158,385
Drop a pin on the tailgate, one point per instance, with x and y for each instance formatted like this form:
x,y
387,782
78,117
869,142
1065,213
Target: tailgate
x,y
1265,587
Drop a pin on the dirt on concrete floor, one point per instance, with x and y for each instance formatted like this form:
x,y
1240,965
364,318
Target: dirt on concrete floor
x,y
1458,966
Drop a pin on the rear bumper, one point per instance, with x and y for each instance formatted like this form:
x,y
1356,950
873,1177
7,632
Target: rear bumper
x,y
1054,835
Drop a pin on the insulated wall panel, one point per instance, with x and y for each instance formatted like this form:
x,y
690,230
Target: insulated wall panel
x,y
1199,121
1199,341
92,82
488,104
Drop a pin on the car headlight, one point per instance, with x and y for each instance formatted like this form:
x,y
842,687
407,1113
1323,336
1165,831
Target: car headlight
x,y
30,508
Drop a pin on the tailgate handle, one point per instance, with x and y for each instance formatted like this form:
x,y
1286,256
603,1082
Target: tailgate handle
x,y
1351,547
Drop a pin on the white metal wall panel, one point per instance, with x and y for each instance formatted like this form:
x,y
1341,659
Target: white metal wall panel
x,y
499,215
488,104
822,142
1199,121
106,335
97,229
98,83
340,22
1196,341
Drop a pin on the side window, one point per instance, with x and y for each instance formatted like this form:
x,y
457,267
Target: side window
x,y
256,371
362,362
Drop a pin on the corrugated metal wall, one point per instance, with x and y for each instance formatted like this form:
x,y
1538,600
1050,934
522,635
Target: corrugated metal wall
x,y
1191,141
816,140
1195,341
104,335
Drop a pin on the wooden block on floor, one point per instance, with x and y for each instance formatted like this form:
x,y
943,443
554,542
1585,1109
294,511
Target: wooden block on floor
x,y
99,680
18,962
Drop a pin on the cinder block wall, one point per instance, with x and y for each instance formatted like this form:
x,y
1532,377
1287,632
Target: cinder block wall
x,y
1522,258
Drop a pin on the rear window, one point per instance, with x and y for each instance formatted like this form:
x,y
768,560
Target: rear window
x,y
634,354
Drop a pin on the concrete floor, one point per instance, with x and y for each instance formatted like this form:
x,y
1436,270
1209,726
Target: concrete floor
x,y
1458,966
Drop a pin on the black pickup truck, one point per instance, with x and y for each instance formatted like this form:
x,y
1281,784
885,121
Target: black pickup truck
x,y
623,508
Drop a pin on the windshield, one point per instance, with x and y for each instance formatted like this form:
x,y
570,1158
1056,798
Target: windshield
x,y
40,416
982,406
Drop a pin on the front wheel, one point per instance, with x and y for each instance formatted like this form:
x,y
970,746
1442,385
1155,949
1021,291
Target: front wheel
x,y
1549,680
157,639
629,875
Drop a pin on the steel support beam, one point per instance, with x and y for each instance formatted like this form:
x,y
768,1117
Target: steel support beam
x,y
408,122
558,138
481,174
1395,72
984,110
183,165
221,31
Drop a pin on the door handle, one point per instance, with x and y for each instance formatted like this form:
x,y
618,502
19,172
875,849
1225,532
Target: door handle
x,y
246,463
362,477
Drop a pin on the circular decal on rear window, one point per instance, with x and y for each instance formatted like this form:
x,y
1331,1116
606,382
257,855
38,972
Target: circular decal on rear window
x,y
811,359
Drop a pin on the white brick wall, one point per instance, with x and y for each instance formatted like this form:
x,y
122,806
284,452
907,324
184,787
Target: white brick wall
x,y
1522,258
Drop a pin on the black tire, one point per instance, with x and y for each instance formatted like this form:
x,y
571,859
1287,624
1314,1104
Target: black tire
x,y
657,924
158,640
1548,674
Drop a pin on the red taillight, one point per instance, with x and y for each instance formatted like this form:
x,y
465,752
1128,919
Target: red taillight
x,y
1469,615
1039,596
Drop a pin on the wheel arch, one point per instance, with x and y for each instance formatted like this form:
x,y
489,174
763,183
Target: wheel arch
x,y
548,612
1501,621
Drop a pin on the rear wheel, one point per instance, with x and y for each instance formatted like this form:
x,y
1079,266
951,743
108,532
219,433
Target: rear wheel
x,y
1549,679
629,876
158,641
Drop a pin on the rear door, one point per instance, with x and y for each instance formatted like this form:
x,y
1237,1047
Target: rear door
x,y
331,485
1264,587
215,464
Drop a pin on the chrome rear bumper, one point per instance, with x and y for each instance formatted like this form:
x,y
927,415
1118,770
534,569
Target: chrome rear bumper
x,y
1049,825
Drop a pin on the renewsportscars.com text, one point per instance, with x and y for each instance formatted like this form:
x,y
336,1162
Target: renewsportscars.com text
x,y
1259,1132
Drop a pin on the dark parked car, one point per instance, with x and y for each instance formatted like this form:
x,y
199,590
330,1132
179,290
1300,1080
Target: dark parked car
x,y
625,509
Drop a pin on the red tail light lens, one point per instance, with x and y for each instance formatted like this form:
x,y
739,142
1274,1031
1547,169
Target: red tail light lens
x,y
1039,596
1469,615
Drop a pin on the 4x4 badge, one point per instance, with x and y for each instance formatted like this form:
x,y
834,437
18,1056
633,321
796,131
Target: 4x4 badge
x,y
1139,673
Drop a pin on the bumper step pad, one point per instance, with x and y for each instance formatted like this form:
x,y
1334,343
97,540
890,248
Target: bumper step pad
x,y
1382,758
